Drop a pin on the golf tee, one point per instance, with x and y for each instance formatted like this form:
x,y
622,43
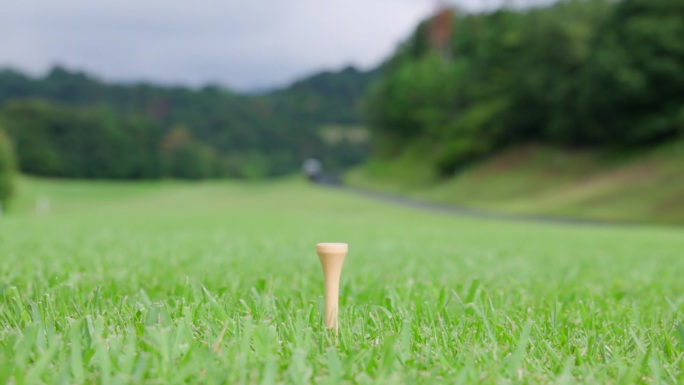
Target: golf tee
x,y
332,257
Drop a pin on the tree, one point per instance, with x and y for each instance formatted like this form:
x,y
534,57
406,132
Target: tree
x,y
634,82
578,72
7,169
34,128
63,141
185,158
274,130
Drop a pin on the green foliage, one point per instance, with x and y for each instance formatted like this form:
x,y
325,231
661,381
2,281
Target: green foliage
x,y
584,72
7,169
229,132
183,157
82,143
635,79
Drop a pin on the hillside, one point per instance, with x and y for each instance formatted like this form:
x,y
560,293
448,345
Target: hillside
x,y
535,179
457,105
231,134
574,73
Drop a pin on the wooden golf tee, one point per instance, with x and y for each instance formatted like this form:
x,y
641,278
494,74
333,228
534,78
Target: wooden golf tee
x,y
332,258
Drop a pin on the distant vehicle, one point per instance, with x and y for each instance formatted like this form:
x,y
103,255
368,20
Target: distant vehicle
x,y
312,169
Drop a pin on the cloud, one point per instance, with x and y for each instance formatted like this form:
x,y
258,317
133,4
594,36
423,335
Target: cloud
x,y
239,43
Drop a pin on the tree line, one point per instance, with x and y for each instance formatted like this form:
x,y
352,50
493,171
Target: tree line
x,y
576,73
70,124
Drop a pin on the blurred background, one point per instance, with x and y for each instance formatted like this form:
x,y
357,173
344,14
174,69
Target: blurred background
x,y
570,108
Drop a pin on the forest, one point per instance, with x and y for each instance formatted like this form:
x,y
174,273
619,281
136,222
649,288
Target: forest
x,y
582,73
70,124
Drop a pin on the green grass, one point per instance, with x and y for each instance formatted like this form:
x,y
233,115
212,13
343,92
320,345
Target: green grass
x,y
641,187
220,283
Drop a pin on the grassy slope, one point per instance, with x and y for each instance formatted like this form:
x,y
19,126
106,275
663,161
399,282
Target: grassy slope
x,y
220,283
536,180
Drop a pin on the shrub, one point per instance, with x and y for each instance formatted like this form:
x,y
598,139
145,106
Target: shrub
x,y
7,168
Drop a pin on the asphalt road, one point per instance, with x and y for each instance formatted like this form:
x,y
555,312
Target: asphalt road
x,y
334,182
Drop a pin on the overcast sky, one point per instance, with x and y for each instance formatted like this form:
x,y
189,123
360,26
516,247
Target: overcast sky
x,y
242,44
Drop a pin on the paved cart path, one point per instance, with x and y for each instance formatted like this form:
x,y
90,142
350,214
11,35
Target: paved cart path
x,y
458,210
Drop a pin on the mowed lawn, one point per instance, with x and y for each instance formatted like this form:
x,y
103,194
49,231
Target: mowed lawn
x,y
219,283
